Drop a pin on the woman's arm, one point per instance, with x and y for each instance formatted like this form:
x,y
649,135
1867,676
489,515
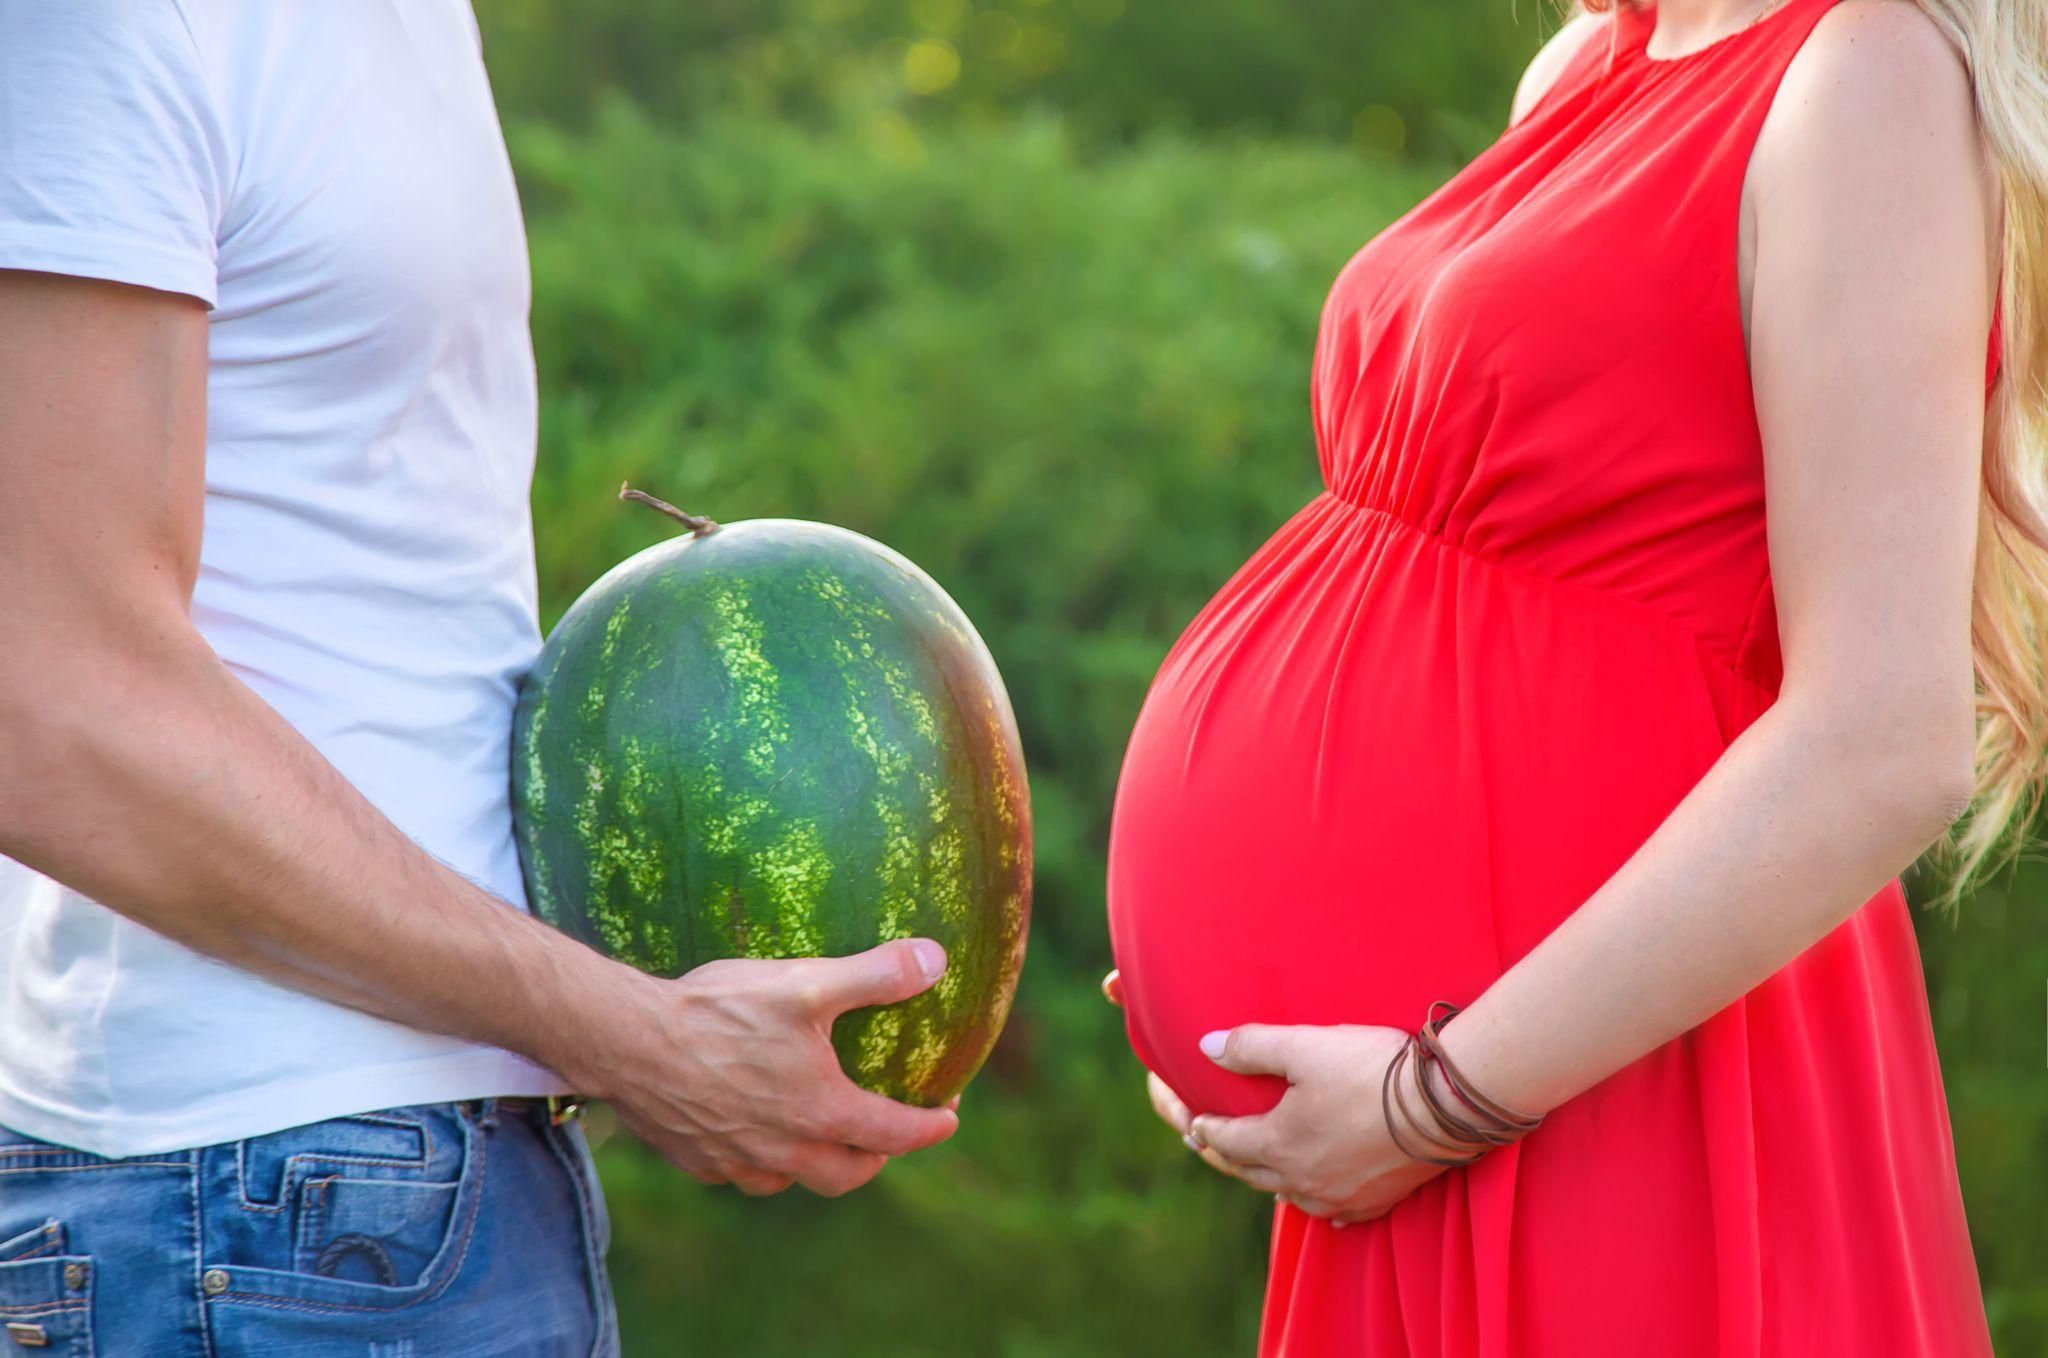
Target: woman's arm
x,y
1871,313
1872,304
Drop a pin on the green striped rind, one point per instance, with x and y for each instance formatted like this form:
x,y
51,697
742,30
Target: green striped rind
x,y
784,740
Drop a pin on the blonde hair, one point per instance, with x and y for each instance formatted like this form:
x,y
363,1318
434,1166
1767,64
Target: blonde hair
x,y
2004,43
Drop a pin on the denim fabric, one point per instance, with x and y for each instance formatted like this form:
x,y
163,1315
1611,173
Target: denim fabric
x,y
437,1231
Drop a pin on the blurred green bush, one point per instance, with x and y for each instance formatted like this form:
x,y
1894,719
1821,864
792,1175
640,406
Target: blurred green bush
x,y
1422,78
1072,383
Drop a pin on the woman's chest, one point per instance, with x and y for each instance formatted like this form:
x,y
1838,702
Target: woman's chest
x,y
1547,269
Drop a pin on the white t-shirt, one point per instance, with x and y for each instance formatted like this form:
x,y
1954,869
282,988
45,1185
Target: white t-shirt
x,y
331,180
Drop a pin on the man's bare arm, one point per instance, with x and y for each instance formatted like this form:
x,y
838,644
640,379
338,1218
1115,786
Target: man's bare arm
x,y
134,767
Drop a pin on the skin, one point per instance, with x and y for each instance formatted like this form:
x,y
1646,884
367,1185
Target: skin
x,y
134,767
1868,267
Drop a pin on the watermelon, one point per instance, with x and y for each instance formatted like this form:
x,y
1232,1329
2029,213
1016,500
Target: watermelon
x,y
775,739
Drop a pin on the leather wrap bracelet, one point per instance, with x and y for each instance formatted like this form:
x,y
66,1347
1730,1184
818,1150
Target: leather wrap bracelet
x,y
1461,1132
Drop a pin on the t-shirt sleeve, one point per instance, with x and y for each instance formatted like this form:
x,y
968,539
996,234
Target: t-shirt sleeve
x,y
110,150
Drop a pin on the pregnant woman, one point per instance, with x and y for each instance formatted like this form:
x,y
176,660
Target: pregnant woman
x,y
1623,663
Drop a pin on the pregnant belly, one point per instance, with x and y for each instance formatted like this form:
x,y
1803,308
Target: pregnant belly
x,y
1374,772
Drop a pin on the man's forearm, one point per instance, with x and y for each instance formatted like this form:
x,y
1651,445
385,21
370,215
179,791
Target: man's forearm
x,y
1791,830
151,779
136,769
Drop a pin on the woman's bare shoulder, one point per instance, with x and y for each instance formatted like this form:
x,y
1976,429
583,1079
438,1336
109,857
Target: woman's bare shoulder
x,y
1551,59
1878,97
1878,51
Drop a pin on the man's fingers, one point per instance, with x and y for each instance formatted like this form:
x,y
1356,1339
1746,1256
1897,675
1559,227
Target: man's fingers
x,y
1253,1049
757,1183
829,986
678,1153
830,1171
1113,988
869,1122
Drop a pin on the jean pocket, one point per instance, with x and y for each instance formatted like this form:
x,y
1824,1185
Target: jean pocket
x,y
381,1231
402,1143
366,1213
45,1294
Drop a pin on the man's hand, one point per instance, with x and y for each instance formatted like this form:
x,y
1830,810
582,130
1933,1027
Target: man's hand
x,y
729,1071
236,838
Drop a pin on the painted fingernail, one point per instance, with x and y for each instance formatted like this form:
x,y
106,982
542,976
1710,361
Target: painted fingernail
x,y
1191,1142
1212,1043
931,958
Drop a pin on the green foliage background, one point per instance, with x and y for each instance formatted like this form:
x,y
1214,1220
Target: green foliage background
x,y
1027,289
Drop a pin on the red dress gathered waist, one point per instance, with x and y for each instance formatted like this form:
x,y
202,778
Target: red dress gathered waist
x,y
1452,695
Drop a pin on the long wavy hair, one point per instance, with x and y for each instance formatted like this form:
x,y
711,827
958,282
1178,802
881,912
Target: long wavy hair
x,y
2004,44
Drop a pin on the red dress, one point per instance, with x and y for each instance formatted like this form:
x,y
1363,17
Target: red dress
x,y
1453,694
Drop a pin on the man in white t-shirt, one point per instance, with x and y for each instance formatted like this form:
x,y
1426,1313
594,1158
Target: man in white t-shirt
x,y
269,999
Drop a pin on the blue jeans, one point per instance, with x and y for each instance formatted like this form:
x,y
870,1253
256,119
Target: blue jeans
x,y
436,1231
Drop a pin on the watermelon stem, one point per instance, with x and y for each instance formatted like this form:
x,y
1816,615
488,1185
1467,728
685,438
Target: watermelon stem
x,y
698,526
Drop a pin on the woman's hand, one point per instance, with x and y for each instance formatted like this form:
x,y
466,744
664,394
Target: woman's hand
x,y
1324,1147
1180,1117
1165,1102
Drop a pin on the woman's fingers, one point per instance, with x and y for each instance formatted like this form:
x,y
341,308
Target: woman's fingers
x,y
1337,1215
1246,1141
1178,1116
1259,1177
1255,1048
1167,1104
1181,1118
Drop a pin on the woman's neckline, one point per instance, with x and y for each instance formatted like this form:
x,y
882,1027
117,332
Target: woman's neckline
x,y
1644,17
